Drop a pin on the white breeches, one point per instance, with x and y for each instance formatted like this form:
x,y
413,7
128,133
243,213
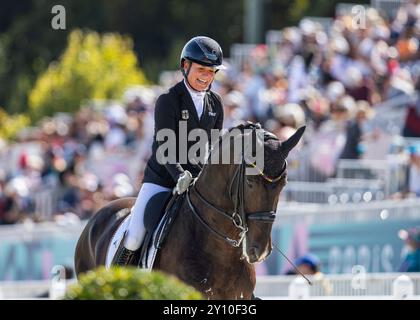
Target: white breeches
x,y
136,230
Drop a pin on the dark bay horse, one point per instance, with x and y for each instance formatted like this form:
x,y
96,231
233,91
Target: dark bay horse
x,y
223,226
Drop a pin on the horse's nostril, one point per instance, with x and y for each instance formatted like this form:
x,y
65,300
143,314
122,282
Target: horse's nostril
x,y
253,252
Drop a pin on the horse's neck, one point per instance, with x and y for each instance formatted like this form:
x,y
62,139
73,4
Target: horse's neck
x,y
210,188
218,225
201,259
212,245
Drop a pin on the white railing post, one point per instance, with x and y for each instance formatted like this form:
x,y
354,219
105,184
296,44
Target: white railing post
x,y
402,287
58,283
299,289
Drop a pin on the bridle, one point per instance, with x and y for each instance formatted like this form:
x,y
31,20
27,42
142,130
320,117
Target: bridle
x,y
239,216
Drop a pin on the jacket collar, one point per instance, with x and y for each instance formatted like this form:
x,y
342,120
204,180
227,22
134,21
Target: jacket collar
x,y
187,102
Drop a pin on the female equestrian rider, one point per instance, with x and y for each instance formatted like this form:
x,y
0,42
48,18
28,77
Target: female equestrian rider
x,y
191,101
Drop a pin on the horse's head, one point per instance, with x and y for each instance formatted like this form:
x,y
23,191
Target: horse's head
x,y
261,194
249,184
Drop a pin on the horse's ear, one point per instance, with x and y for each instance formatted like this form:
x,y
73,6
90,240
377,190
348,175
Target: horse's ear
x,y
290,143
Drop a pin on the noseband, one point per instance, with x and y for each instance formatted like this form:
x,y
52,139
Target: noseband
x,y
239,216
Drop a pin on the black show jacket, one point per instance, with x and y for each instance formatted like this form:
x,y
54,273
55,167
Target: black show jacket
x,y
172,107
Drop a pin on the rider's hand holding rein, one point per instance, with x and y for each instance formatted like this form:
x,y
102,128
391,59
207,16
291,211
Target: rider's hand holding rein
x,y
183,183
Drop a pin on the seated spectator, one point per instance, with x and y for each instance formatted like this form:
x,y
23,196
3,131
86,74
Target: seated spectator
x,y
3,198
414,171
411,261
327,143
290,115
69,194
356,86
412,120
354,133
307,264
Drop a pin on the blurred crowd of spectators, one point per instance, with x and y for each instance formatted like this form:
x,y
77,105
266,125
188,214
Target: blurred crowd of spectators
x,y
70,166
329,77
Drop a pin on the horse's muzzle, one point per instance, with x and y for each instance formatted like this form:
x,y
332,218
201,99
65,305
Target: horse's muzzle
x,y
256,254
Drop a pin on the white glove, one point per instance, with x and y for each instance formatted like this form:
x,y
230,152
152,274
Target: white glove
x,y
183,183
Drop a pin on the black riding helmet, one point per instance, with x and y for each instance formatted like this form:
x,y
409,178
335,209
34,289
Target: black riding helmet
x,y
204,51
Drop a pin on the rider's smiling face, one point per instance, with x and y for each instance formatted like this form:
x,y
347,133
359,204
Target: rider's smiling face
x,y
200,77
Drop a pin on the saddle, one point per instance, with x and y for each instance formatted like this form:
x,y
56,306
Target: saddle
x,y
160,213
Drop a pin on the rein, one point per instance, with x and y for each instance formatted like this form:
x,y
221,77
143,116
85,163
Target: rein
x,y
238,216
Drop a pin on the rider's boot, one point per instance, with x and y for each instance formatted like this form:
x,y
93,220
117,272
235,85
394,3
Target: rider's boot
x,y
123,256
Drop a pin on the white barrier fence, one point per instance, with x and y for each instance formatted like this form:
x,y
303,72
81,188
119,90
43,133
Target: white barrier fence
x,y
386,175
40,289
407,209
347,286
334,191
355,286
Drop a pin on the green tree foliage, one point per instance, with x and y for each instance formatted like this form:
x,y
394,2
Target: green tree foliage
x,y
130,284
28,44
92,67
11,124
159,28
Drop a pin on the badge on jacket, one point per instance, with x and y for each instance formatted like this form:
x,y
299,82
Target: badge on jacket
x,y
185,114
212,114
